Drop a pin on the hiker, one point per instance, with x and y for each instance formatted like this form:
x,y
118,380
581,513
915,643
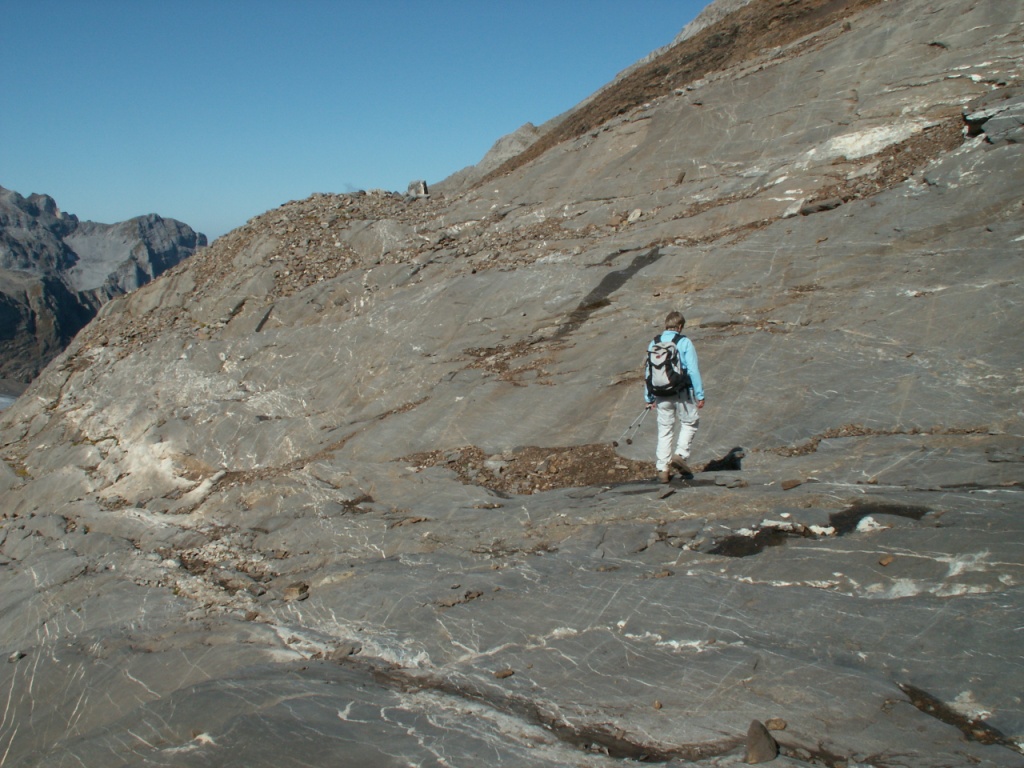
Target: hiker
x,y
672,386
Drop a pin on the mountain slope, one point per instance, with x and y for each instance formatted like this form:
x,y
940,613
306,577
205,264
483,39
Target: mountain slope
x,y
344,487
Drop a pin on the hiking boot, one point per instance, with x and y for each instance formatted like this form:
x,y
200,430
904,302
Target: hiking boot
x,y
664,476
680,463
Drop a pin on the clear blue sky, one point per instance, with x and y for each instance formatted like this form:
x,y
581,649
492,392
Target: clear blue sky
x,y
214,111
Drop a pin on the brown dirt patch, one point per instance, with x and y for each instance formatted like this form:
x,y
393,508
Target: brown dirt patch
x,y
897,163
534,469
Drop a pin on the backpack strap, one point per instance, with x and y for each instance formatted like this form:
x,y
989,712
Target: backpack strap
x,y
678,336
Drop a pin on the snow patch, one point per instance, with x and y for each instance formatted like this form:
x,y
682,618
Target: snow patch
x,y
976,562
868,524
898,589
968,706
561,633
200,740
863,143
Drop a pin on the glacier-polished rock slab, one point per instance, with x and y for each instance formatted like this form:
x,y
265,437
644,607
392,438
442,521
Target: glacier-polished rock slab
x,y
221,544
548,629
309,713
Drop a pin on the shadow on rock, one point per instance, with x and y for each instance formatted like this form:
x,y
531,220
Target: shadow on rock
x,y
731,461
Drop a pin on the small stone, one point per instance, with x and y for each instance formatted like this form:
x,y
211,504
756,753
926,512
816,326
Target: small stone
x,y
886,560
788,485
297,591
657,704
501,674
343,651
761,747
776,724
821,205
16,656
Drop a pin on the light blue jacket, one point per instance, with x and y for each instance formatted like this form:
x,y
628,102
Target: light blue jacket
x,y
688,357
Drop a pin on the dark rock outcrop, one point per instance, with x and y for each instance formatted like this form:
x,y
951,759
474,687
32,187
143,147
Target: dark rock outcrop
x,y
341,489
56,271
998,115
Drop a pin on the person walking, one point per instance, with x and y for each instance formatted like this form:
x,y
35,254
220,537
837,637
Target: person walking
x,y
673,386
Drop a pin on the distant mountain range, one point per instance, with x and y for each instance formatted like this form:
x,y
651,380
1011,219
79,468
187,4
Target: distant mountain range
x,y
56,272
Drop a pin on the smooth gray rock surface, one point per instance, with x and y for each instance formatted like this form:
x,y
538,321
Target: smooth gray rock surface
x,y
341,489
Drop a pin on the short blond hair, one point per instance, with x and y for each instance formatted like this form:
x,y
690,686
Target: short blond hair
x,y
675,319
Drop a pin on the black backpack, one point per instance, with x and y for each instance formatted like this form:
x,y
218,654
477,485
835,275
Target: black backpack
x,y
664,371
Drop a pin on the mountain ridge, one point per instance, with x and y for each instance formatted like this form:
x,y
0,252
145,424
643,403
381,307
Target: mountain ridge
x,y
737,35
56,271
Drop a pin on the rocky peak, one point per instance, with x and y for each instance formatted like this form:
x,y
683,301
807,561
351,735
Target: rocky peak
x,y
41,205
56,271
32,212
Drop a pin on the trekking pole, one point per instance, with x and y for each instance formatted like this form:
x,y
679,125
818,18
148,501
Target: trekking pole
x,y
636,429
635,426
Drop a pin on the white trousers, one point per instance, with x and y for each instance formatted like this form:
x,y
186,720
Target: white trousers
x,y
680,411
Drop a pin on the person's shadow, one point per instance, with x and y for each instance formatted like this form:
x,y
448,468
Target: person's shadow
x,y
731,461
